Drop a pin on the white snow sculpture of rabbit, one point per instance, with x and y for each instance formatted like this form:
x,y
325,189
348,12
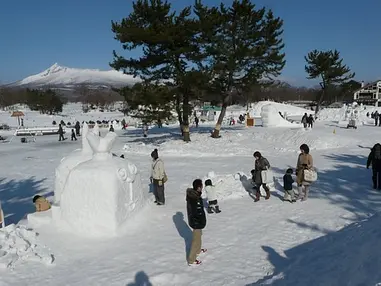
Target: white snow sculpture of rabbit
x,y
101,194
73,159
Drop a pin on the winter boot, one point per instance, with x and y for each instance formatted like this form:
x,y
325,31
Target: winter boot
x,y
257,196
267,192
217,209
210,210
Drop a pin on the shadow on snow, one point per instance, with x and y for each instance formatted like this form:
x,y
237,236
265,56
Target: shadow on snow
x,y
16,197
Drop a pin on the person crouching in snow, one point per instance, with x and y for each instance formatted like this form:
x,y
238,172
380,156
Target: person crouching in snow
x,y
287,186
158,178
212,198
196,220
305,162
41,203
261,164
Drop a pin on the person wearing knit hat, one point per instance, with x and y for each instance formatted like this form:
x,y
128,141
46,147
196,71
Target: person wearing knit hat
x,y
158,177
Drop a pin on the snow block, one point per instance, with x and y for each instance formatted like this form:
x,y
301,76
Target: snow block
x,y
39,218
271,118
101,194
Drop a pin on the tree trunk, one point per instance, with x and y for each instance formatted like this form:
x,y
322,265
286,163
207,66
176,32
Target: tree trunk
x,y
318,103
186,111
179,114
186,133
216,131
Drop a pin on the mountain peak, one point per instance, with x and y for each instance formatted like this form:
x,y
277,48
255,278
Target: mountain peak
x,y
61,76
53,69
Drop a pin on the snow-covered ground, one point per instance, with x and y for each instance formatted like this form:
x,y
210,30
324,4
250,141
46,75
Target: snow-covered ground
x,y
323,241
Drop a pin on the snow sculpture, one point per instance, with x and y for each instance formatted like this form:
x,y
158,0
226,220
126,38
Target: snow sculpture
x,y
96,129
270,116
101,194
68,163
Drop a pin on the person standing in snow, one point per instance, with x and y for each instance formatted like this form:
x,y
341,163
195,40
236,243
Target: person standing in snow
x,y
158,178
305,120
212,197
111,128
305,162
261,164
196,121
145,130
287,186
73,135
77,128
374,159
376,118
196,220
60,133
310,121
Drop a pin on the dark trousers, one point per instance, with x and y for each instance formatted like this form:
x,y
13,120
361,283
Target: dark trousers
x,y
61,137
73,137
158,191
376,177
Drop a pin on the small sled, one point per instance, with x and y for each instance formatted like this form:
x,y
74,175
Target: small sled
x,y
352,124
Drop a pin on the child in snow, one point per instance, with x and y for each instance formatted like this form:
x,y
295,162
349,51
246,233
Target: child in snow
x,y
212,199
41,203
287,185
253,178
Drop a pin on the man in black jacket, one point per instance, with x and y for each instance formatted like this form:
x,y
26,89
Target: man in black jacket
x,y
196,220
374,159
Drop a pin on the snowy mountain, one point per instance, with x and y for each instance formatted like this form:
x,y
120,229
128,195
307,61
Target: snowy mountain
x,y
63,77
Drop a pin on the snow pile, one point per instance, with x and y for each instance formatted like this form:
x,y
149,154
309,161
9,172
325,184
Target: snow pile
x,y
227,186
346,257
279,107
102,193
18,244
271,118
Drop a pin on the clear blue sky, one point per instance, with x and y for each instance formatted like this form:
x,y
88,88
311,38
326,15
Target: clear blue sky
x,y
36,34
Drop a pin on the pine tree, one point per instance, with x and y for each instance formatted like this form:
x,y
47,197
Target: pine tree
x,y
329,68
148,102
169,47
242,44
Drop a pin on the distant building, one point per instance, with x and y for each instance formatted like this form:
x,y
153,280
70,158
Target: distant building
x,y
369,94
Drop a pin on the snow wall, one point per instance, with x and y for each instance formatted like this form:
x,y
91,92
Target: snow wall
x,y
271,118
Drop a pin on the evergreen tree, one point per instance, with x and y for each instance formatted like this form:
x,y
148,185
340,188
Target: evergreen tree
x,y
329,68
242,45
148,102
44,101
169,45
